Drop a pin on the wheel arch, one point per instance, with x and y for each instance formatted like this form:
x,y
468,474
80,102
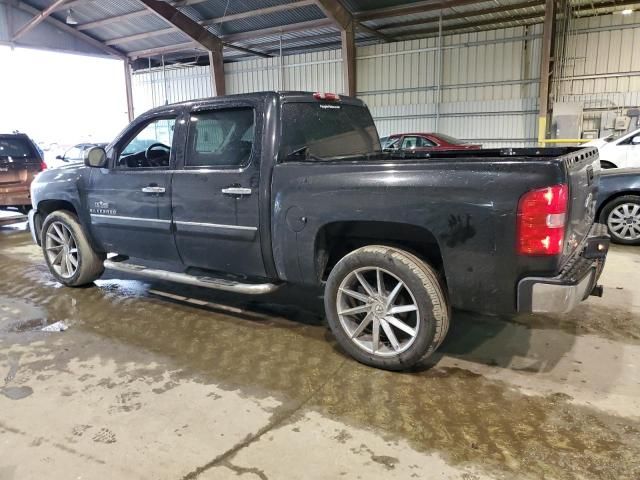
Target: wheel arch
x,y
614,196
334,240
607,164
47,206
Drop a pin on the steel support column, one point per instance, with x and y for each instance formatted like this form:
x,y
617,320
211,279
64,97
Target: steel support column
x,y
545,68
199,34
216,69
129,89
349,59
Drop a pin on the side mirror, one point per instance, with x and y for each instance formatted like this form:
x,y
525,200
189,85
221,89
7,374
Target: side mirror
x,y
59,157
95,157
635,140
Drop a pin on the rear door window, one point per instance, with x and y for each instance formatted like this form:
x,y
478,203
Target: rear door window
x,y
221,138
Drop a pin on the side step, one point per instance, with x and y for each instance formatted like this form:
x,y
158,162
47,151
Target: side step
x,y
207,282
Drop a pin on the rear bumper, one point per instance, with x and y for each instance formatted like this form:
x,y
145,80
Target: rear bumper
x,y
15,196
575,283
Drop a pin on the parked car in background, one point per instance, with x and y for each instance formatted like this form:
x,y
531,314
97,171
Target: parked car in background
x,y
74,154
618,204
20,162
618,152
425,142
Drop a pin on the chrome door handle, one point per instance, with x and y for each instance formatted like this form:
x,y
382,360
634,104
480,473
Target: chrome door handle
x,y
236,191
153,190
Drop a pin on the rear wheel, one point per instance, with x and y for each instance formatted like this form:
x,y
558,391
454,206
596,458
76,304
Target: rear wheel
x,y
68,254
386,307
622,218
606,165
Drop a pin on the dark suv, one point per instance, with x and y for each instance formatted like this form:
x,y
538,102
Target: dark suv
x,y
20,161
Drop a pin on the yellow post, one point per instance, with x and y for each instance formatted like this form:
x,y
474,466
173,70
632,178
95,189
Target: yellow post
x,y
542,130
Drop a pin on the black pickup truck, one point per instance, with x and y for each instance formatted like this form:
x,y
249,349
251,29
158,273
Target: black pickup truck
x,y
248,192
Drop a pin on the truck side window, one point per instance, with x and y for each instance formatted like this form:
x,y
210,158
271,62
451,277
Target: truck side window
x,y
221,138
151,147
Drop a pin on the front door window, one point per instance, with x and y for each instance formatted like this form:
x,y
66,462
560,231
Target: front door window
x,y
151,147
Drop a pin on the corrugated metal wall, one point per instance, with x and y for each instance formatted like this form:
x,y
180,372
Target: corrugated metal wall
x,y
488,85
602,68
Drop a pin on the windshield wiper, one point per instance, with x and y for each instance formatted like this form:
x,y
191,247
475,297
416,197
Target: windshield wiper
x,y
304,151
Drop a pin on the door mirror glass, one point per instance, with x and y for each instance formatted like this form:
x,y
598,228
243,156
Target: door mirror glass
x,y
635,140
95,157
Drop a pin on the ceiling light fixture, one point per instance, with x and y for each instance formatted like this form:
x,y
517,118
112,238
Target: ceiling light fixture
x,y
71,20
627,11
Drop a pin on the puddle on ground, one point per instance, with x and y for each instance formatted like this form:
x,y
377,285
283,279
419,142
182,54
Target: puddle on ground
x,y
16,393
20,316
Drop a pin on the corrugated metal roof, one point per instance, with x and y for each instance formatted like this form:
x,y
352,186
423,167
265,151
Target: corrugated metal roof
x,y
123,18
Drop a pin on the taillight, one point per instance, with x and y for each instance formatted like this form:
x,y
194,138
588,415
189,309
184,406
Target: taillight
x,y
326,96
542,217
43,166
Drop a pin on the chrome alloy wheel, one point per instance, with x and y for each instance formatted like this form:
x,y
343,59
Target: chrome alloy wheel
x,y
378,311
62,250
624,221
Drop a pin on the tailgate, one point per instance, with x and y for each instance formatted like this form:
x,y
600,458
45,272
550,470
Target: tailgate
x,y
583,168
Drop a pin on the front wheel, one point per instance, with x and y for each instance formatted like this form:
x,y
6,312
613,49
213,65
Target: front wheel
x,y
68,254
622,218
386,307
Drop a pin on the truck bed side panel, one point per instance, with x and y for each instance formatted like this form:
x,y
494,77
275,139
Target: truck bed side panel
x,y
469,207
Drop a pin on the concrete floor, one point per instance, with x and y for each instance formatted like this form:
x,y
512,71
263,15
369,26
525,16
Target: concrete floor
x,y
160,381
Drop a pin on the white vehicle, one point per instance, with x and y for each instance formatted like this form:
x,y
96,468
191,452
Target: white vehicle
x,y
621,152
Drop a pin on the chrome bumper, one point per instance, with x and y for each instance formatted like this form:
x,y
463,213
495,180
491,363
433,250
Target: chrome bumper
x,y
575,283
545,297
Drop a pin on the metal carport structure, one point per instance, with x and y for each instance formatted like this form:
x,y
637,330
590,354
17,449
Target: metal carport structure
x,y
144,32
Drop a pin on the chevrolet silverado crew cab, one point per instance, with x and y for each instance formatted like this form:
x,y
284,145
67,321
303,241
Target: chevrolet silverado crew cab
x,y
246,193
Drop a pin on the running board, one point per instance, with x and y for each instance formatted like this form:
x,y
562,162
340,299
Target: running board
x,y
207,282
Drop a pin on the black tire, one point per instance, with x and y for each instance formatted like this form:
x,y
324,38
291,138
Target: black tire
x,y
607,213
89,262
423,287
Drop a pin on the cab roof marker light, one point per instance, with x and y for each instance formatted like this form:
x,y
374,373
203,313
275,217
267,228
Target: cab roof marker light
x,y
326,96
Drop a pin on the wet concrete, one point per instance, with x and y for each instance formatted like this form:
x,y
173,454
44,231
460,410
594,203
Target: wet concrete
x,y
155,380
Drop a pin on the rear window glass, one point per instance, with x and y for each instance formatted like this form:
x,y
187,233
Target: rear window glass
x,y
328,129
14,147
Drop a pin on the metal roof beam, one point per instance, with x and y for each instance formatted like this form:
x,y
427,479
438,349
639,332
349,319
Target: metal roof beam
x,y
75,3
153,52
258,12
458,15
37,20
292,27
209,21
193,29
72,31
334,10
417,7
483,23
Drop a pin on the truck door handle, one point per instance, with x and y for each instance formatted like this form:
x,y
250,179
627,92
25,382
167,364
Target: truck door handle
x,y
236,191
152,189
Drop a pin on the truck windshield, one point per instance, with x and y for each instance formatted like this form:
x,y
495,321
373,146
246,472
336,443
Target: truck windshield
x,y
328,130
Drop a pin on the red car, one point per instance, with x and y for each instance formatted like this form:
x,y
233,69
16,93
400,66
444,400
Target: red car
x,y
425,142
